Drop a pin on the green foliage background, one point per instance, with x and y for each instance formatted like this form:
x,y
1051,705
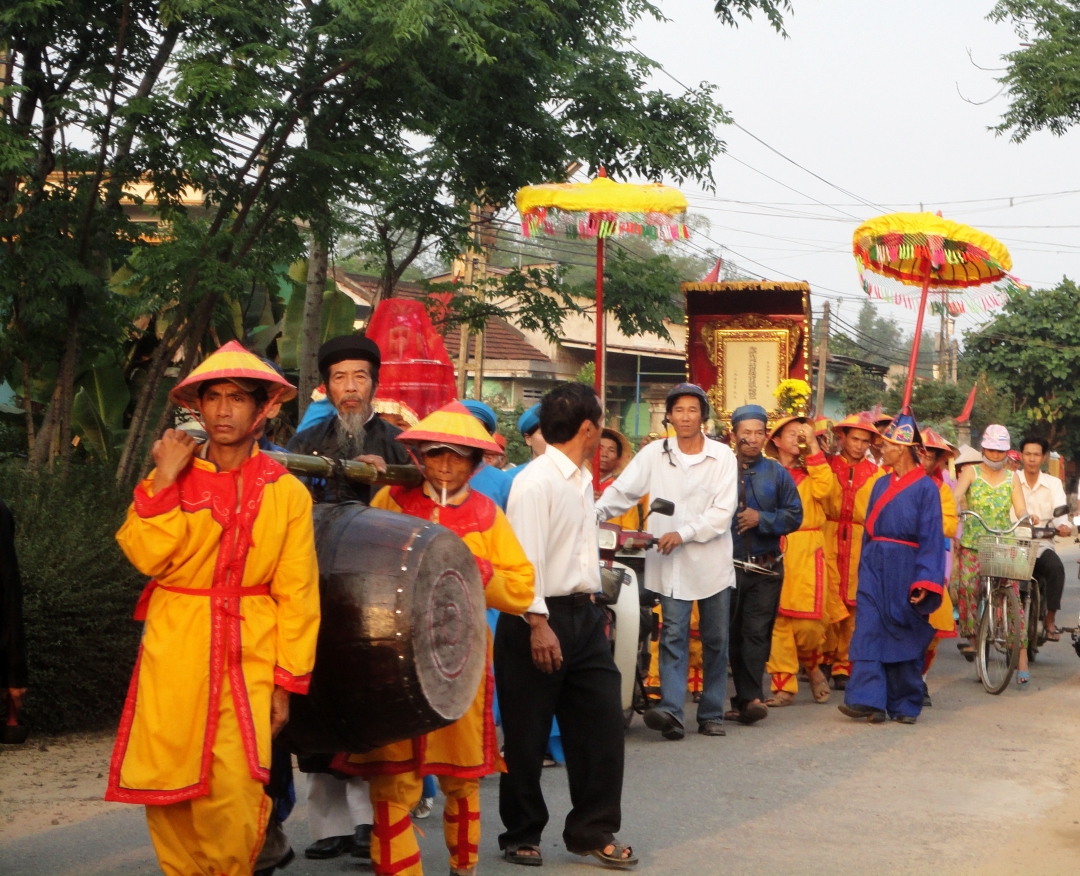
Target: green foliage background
x,y
79,595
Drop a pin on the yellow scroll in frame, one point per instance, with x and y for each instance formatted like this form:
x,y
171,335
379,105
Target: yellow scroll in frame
x,y
750,363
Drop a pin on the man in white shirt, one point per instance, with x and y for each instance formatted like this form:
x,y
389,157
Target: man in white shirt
x,y
1043,494
693,557
557,661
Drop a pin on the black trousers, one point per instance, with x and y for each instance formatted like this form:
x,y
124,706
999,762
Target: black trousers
x,y
1051,574
753,613
585,696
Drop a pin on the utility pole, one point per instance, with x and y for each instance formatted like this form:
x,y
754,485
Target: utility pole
x,y
473,271
823,358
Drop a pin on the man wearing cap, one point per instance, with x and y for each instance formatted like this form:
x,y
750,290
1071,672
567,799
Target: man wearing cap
x,y
799,631
529,426
450,444
227,535
901,579
349,368
692,561
768,508
845,511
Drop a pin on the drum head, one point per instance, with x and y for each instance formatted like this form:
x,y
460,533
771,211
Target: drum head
x,y
449,631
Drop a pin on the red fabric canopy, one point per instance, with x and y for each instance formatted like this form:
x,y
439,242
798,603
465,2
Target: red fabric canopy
x,y
416,369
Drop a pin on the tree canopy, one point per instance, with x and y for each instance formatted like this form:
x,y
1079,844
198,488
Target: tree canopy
x,y
1030,352
1042,78
242,123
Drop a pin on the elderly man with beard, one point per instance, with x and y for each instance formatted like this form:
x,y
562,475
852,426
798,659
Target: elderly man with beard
x,y
339,808
349,368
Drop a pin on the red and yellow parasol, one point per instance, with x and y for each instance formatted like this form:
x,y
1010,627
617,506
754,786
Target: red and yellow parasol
x,y
958,267
600,209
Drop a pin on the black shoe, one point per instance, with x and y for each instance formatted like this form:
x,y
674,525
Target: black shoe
x,y
669,727
362,842
839,682
926,696
711,728
872,715
331,847
280,865
904,719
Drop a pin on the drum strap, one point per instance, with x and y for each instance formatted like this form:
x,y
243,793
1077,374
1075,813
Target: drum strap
x,y
220,592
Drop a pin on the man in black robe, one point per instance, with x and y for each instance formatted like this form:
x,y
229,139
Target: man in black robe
x,y
13,672
349,367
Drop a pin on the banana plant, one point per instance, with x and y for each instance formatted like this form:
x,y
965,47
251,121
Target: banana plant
x,y
98,412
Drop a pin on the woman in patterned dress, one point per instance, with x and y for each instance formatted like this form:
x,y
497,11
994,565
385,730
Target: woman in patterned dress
x,y
990,490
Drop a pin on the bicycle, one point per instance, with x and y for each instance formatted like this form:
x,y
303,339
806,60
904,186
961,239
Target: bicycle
x,y
1004,558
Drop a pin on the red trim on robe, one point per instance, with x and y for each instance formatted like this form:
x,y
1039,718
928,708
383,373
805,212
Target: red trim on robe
x,y
147,506
819,590
297,684
857,476
927,585
897,486
475,514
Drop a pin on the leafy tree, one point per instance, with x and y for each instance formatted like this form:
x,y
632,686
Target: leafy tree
x,y
860,391
1030,351
1042,78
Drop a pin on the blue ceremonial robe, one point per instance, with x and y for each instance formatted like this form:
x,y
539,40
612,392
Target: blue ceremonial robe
x,y
903,549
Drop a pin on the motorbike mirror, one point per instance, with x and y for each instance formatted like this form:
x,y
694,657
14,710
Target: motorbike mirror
x,y
1060,511
662,507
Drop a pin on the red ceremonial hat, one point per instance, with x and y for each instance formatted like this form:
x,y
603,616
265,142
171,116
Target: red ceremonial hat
x,y
450,424
860,420
232,362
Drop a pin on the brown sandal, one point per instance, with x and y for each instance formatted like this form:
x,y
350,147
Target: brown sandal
x,y
780,699
621,858
820,689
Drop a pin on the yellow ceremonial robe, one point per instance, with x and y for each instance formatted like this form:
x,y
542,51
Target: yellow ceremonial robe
x,y
233,610
799,631
942,618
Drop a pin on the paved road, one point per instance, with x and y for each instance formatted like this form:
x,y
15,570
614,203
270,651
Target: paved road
x,y
981,784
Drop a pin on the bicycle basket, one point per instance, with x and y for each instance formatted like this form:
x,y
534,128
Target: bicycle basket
x,y
1006,556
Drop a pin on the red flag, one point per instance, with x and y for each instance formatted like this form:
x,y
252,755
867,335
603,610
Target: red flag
x,y
963,418
714,275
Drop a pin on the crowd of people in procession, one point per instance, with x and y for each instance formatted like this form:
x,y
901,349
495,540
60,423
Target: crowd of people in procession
x,y
796,550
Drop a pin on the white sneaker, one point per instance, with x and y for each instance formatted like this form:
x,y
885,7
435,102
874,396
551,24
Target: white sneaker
x,y
423,808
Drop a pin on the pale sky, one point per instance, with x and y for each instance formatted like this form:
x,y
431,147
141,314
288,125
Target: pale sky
x,y
869,95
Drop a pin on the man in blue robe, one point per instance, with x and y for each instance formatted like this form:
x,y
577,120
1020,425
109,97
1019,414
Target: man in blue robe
x,y
901,578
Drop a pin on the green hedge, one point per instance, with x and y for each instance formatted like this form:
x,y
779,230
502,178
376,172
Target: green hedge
x,y
79,595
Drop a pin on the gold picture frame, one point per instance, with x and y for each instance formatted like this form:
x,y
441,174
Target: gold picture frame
x,y
752,354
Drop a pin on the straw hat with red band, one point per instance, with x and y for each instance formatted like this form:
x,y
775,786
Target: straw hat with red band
x,y
232,362
776,429
856,421
933,441
451,424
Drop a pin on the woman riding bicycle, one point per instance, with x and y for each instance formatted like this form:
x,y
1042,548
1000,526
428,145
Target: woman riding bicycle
x,y
991,491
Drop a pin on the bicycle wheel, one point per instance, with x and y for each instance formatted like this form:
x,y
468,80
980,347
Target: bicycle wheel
x,y
1033,615
998,650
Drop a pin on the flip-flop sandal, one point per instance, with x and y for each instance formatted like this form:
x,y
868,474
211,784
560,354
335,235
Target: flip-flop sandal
x,y
968,650
1022,677
514,856
615,860
779,702
1053,635
820,690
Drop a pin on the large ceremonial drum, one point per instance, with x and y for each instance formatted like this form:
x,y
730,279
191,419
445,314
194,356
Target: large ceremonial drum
x,y
403,641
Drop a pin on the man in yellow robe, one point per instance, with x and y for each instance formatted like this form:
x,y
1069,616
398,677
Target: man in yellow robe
x,y
799,631
845,511
231,620
935,457
450,444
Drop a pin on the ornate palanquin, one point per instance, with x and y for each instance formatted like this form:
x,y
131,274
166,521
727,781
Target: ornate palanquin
x,y
745,337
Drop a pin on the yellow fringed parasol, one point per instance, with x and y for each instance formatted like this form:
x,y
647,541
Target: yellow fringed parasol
x,y
600,209
956,265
